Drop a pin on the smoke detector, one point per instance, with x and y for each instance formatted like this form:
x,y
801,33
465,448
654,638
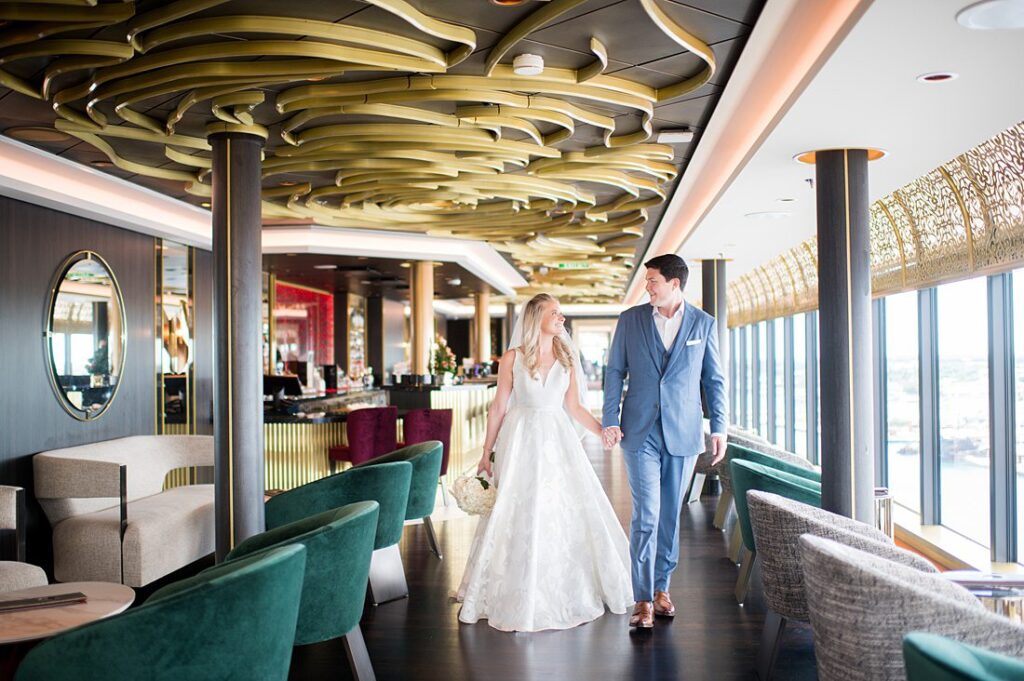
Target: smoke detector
x,y
528,65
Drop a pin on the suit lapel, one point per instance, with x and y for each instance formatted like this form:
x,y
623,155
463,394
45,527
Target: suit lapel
x,y
689,319
650,332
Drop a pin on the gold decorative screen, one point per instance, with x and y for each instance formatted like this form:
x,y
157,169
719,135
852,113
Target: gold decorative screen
x,y
963,219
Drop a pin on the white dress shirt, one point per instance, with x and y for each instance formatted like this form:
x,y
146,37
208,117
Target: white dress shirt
x,y
668,327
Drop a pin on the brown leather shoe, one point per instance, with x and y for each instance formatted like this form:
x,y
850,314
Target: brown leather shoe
x,y
663,604
643,616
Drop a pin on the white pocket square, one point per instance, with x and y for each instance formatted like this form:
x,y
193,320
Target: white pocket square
x,y
695,341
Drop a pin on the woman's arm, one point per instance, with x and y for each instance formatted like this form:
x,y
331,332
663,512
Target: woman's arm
x,y
577,410
496,412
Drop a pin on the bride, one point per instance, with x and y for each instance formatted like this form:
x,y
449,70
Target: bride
x,y
551,554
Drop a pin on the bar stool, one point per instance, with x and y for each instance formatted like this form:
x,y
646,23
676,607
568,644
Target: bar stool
x,y
425,425
371,432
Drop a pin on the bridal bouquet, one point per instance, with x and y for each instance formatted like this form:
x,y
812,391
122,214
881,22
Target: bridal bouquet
x,y
474,494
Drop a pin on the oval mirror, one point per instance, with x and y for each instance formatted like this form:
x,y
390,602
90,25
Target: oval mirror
x,y
85,335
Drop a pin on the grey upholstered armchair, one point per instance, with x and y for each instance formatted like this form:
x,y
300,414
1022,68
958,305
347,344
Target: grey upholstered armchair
x,y
778,523
861,606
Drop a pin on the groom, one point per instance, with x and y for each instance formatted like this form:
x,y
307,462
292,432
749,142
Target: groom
x,y
669,351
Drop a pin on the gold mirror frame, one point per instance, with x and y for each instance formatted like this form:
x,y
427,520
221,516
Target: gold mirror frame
x,y
48,333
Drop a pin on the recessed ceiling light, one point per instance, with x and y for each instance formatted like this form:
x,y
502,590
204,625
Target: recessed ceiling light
x,y
769,215
507,3
937,77
205,204
406,265
325,267
37,134
809,157
528,65
455,281
992,15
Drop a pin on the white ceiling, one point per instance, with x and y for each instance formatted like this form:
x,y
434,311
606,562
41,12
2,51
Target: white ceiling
x,y
867,94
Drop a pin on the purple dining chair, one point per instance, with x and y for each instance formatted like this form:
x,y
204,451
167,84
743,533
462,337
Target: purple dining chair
x,y
371,433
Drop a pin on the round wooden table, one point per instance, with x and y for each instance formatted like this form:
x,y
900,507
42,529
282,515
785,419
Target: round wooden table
x,y
103,599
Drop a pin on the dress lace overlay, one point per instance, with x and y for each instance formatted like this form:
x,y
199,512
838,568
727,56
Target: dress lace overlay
x,y
551,554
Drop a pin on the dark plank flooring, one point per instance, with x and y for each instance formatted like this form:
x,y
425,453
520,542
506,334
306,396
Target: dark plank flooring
x,y
711,638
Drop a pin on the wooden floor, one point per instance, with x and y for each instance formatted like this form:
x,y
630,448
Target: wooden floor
x,y
421,639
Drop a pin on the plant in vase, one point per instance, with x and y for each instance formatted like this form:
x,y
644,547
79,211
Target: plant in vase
x,y
442,360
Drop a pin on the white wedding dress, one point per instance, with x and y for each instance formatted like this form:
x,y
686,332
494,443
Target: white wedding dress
x,y
551,554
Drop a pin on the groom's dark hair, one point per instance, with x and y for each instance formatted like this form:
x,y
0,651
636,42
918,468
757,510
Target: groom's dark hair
x,y
671,266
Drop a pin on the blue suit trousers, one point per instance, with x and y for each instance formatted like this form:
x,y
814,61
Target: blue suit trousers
x,y
657,481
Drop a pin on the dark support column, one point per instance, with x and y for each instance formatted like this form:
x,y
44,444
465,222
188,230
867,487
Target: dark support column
x,y
375,337
844,305
341,330
238,389
510,323
715,303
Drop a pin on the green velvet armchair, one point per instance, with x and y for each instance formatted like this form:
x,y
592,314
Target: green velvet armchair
x,y
795,467
338,544
233,622
930,657
746,476
425,458
388,485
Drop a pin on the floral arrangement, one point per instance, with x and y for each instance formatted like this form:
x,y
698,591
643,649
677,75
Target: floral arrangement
x,y
474,494
443,359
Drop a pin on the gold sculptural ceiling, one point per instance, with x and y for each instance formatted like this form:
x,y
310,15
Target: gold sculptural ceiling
x,y
393,114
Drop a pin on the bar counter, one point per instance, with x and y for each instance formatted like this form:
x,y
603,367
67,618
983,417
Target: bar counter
x,y
295,448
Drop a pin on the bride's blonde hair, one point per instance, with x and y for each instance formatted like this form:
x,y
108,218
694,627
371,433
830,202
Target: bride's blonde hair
x,y
531,337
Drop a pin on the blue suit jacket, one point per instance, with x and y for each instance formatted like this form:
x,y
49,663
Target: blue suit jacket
x,y
637,352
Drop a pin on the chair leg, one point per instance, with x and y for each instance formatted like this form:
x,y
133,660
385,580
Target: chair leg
x,y
735,542
432,537
387,576
358,658
771,636
696,486
722,511
747,559
443,481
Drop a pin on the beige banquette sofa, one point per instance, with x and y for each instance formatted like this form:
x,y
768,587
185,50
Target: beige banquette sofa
x,y
112,520
15,573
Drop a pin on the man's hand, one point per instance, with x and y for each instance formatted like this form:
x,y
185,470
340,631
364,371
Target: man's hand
x,y
717,448
611,436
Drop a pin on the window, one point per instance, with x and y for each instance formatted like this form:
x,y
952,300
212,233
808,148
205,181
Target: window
x,y
779,329
963,407
1018,371
903,400
762,379
81,353
748,383
734,376
800,383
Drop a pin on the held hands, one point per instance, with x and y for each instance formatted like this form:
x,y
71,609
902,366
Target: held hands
x,y
611,436
717,448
